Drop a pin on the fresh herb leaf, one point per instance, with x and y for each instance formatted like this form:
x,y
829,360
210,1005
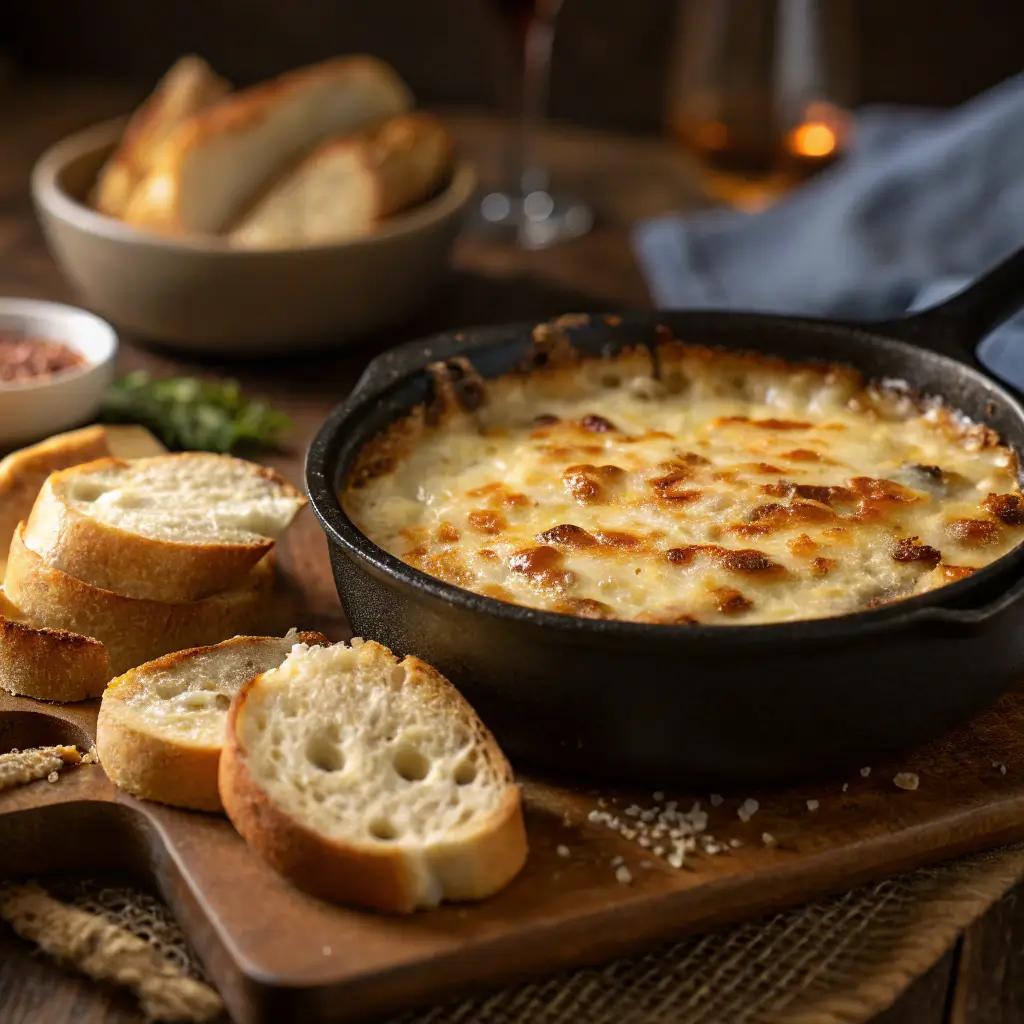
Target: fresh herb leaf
x,y
192,414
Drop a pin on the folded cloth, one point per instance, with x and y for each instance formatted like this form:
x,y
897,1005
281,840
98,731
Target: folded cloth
x,y
924,201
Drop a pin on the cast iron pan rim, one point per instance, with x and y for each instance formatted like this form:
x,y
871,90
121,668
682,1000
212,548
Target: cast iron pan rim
x,y
321,466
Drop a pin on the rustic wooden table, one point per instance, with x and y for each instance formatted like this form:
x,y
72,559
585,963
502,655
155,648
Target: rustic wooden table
x,y
980,981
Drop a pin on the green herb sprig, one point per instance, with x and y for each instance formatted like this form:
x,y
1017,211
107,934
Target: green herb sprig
x,y
191,414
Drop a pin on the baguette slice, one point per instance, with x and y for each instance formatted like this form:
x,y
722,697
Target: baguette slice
x,y
346,187
370,782
170,528
161,725
49,664
215,164
133,630
23,472
190,86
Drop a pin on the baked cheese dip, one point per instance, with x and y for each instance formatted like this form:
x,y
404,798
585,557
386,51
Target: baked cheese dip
x,y
690,485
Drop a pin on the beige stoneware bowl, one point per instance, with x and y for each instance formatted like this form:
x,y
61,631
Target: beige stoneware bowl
x,y
203,294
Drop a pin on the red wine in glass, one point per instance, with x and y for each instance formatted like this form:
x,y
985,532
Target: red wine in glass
x,y
526,205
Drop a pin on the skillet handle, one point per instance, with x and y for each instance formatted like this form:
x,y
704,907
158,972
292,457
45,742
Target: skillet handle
x,y
956,326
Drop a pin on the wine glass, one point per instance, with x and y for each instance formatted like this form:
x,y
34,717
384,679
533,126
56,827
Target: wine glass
x,y
526,206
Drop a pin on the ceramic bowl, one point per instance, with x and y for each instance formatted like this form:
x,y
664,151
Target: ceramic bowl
x,y
37,408
201,293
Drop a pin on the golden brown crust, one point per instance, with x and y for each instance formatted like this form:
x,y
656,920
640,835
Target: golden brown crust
x,y
154,766
132,565
132,629
376,877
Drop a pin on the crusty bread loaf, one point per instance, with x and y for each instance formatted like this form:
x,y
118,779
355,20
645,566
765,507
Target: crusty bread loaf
x,y
170,528
190,86
215,164
23,472
161,725
370,782
133,630
48,664
347,186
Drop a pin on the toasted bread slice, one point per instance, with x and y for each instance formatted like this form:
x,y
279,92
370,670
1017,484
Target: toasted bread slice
x,y
133,630
22,473
190,86
161,725
170,528
370,782
48,664
346,187
215,164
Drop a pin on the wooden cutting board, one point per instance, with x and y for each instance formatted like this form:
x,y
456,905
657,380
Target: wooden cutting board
x,y
589,892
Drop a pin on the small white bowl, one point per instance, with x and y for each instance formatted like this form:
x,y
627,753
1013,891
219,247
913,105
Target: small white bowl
x,y
38,408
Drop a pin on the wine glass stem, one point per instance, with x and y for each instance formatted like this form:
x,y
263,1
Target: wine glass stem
x,y
529,174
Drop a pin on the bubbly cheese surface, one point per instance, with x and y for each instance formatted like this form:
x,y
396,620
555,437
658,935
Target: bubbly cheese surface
x,y
730,490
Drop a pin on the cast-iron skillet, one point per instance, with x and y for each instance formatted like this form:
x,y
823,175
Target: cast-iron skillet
x,y
716,704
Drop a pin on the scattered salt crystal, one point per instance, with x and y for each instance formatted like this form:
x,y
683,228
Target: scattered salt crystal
x,y
644,841
622,875
767,838
601,802
812,805
846,786
1002,769
562,851
633,811
52,777
906,780
659,851
616,861
647,816
735,843
676,860
865,772
747,810
593,816
717,799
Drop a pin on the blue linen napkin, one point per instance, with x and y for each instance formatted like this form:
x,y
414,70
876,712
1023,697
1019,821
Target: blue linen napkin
x,y
924,201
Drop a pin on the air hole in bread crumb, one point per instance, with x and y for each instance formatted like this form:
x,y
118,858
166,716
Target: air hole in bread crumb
x,y
86,490
465,773
382,829
324,754
410,763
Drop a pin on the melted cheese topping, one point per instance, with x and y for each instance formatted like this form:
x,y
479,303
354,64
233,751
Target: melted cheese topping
x,y
732,490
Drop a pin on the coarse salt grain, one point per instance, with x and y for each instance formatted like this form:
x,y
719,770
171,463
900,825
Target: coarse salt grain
x,y
717,800
813,805
616,861
735,843
52,777
623,875
865,772
846,786
767,838
906,780
747,810
562,851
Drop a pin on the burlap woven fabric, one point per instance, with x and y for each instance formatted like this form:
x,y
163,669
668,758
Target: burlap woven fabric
x,y
837,961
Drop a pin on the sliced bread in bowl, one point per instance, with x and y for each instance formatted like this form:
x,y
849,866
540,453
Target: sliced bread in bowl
x,y
161,725
190,86
49,664
170,528
215,164
370,781
133,630
346,187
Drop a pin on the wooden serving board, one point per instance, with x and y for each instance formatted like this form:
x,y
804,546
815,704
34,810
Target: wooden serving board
x,y
276,954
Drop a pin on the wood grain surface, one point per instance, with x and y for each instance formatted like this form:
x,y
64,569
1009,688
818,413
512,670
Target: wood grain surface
x,y
563,909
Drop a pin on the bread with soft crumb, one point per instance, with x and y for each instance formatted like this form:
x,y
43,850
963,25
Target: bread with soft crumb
x,y
48,664
23,472
133,630
170,528
370,781
161,725
215,164
346,187
190,86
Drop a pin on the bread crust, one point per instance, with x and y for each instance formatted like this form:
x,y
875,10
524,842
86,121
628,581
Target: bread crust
x,y
133,630
157,203
129,564
367,875
189,86
153,766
